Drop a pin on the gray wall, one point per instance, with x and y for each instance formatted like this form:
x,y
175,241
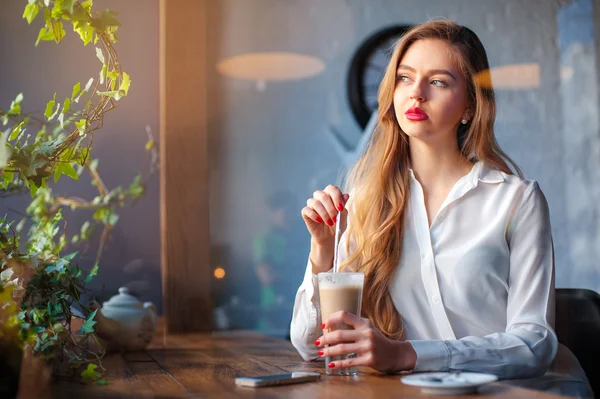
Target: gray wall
x,y
39,72
278,137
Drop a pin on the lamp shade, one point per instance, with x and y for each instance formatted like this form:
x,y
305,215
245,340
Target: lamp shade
x,y
272,66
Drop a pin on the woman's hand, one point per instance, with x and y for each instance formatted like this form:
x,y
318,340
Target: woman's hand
x,y
321,211
320,214
373,349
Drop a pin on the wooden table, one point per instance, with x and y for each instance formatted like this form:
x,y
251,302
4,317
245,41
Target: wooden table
x,y
205,365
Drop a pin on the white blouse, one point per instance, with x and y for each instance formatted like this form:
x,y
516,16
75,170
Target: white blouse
x,y
476,288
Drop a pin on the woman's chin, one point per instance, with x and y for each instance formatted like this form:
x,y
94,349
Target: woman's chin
x,y
418,132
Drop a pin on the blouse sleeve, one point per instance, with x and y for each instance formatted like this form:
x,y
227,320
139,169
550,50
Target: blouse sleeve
x,y
306,317
529,344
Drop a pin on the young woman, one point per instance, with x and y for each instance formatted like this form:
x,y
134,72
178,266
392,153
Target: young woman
x,y
456,249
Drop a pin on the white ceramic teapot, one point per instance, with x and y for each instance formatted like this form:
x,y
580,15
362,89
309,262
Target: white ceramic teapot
x,y
125,323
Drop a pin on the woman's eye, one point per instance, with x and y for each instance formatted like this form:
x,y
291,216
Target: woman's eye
x,y
402,78
439,83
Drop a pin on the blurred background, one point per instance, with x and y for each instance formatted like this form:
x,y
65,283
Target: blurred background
x,y
291,87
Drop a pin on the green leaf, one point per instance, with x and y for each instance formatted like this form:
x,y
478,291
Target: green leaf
x,y
86,231
38,315
47,345
76,90
33,188
136,188
17,130
125,83
5,153
85,31
81,126
113,219
20,226
106,21
103,73
101,382
89,84
31,11
90,373
7,274
66,105
50,108
69,5
15,106
149,145
59,266
15,109
58,30
93,273
44,35
87,5
70,256
88,326
57,10
65,168
58,328
100,55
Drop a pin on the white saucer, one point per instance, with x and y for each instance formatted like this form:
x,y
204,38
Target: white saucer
x,y
448,383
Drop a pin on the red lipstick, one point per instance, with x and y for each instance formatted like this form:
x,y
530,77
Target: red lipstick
x,y
416,114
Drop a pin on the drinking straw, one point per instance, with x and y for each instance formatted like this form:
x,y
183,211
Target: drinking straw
x,y
336,241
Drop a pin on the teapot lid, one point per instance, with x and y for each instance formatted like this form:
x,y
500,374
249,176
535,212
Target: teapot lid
x,y
124,300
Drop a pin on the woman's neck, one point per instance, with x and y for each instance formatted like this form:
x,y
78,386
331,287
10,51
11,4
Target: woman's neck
x,y
437,165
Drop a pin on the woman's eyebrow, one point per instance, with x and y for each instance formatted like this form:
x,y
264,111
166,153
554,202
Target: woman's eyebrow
x,y
431,72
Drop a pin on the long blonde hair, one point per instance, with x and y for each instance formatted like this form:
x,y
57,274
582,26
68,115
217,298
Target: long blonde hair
x,y
379,182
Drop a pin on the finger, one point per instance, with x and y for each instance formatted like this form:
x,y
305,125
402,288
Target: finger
x,y
347,318
318,207
340,350
336,196
310,214
365,360
339,337
327,202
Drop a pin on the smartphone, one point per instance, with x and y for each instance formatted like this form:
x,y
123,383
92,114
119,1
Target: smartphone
x,y
278,379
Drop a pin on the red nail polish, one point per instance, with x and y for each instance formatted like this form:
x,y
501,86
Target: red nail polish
x,y
329,222
331,365
317,343
319,220
340,207
322,326
335,219
320,353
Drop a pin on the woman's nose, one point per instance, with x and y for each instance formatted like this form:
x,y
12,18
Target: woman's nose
x,y
417,95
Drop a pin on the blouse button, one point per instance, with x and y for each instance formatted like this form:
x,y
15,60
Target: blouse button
x,y
435,299
449,338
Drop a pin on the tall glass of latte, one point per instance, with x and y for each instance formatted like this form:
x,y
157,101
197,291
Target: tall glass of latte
x,y
340,291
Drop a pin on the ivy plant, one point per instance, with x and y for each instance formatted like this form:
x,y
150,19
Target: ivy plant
x,y
41,281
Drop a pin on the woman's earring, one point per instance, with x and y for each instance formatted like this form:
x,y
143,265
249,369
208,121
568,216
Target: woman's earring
x,y
464,121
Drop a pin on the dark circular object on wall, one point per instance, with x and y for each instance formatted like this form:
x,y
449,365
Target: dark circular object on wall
x,y
367,69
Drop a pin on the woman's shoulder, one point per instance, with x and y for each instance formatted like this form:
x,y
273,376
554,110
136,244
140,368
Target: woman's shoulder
x,y
522,183
515,186
491,174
